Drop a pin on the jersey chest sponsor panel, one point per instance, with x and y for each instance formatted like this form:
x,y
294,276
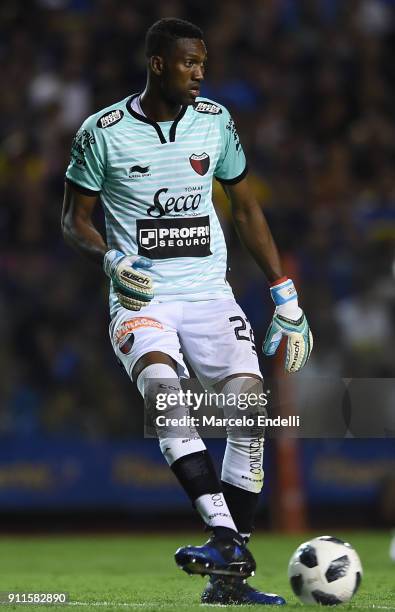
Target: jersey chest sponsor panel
x,y
168,238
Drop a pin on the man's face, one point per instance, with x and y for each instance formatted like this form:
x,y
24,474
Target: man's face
x,y
183,70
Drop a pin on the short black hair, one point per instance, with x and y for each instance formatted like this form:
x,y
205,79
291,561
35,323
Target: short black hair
x,y
163,33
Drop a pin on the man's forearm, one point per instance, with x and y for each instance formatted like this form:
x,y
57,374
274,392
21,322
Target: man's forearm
x,y
77,227
256,236
85,239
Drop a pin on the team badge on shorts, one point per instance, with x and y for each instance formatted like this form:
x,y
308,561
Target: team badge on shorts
x,y
127,346
200,163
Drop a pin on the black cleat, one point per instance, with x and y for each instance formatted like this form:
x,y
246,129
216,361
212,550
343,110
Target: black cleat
x,y
228,557
227,591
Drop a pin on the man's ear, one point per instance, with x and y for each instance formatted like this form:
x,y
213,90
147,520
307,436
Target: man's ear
x,y
156,64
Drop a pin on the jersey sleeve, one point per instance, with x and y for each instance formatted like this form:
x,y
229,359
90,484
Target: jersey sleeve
x,y
231,166
87,158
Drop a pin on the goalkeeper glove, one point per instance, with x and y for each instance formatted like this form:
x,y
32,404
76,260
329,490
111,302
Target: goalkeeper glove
x,y
288,320
133,287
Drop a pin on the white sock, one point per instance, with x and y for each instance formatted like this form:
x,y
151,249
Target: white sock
x,y
242,465
214,511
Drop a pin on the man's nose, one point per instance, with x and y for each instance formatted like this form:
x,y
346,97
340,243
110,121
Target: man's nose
x,y
199,73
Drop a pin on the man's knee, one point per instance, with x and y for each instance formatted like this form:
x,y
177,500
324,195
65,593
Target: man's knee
x,y
218,386
152,358
243,396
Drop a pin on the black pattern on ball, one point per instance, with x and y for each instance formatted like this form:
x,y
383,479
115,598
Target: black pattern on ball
x,y
334,540
337,569
297,584
358,579
308,556
325,599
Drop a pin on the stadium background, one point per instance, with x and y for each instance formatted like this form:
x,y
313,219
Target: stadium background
x,y
311,86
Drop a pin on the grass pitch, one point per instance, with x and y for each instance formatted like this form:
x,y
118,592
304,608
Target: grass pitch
x,y
139,573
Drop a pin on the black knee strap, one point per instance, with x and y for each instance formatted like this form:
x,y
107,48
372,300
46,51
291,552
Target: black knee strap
x,y
196,474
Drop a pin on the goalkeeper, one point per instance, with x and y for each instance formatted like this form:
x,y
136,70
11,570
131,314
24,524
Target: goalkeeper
x,y
151,159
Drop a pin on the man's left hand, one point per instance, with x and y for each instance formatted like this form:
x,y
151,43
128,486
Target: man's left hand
x,y
288,320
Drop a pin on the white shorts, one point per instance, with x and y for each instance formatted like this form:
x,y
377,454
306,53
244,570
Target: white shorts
x,y
214,335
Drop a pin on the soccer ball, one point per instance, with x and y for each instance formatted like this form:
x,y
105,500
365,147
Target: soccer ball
x,y
325,570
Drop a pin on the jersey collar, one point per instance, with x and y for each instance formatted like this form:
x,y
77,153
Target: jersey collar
x,y
172,132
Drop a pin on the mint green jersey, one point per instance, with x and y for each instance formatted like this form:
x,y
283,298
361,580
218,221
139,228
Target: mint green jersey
x,y
155,185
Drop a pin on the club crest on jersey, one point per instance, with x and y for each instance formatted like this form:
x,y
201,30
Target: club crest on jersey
x,y
208,108
110,118
200,163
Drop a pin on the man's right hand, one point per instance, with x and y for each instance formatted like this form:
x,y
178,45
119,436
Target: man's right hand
x,y
133,287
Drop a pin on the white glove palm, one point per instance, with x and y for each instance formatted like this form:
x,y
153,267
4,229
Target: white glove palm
x,y
133,287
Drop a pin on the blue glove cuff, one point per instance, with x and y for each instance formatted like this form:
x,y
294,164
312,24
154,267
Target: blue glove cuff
x,y
283,292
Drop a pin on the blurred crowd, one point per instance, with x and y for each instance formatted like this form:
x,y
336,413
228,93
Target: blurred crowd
x,y
311,86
